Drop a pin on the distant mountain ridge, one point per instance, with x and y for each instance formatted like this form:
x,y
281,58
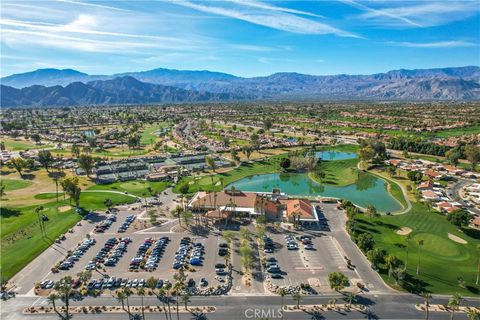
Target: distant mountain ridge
x,y
166,85
121,90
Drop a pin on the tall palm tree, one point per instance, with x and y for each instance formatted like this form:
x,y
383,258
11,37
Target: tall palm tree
x,y
420,244
350,298
65,289
186,300
297,296
141,293
161,296
473,314
408,237
282,292
127,292
454,303
426,297
177,287
52,299
120,297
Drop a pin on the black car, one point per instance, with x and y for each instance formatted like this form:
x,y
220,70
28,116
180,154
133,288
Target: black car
x,y
222,252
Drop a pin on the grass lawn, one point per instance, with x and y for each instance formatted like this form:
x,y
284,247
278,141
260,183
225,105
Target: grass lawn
x,y
338,172
269,165
20,231
458,131
19,145
21,237
442,260
148,137
137,187
13,184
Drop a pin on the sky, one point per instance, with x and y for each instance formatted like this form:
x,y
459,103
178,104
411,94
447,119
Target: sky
x,y
242,37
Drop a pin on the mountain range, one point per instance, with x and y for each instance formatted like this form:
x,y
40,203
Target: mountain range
x,y
67,87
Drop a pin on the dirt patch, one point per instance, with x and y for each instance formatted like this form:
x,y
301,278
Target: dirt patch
x,y
457,239
64,208
404,231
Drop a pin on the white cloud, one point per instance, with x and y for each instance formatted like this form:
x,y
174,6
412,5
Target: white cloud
x,y
261,5
270,18
416,14
87,4
439,44
248,47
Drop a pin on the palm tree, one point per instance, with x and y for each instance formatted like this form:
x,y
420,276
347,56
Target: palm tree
x,y
64,287
141,293
350,298
52,298
420,243
120,297
127,292
473,315
426,297
282,293
161,296
186,300
297,296
408,237
454,303
176,288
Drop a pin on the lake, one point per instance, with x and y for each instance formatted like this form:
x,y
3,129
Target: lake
x,y
335,155
367,190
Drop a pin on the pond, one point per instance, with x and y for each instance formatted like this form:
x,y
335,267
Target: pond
x,y
335,155
367,190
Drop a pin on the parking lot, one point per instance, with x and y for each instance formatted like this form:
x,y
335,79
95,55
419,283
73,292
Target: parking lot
x,y
122,241
131,252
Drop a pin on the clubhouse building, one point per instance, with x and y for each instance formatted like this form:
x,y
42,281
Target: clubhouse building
x,y
228,204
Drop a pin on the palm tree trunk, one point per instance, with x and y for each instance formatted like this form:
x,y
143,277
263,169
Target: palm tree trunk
x,y
169,310
176,298
143,310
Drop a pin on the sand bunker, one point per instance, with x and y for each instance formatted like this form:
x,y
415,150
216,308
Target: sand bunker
x,y
457,239
64,208
404,231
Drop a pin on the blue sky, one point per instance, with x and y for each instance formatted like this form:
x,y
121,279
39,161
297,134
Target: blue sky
x,y
242,37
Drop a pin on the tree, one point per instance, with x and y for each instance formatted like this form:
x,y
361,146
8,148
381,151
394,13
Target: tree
x,y
365,242
454,303
366,153
453,155
18,164
472,314
36,137
415,176
392,170
86,162
84,276
211,163
371,211
247,151
391,262
108,203
187,217
350,298
52,299
267,124
399,275
45,158
282,292
420,244
337,281
141,293
426,298
235,156
75,150
472,154
255,141
65,289
186,300
70,186
459,218
285,163
178,212
376,256
297,296
2,189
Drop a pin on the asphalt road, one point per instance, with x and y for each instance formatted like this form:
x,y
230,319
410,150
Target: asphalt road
x,y
385,306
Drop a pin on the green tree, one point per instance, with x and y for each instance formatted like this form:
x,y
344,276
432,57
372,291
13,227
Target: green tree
x,y
86,162
282,292
459,218
45,158
70,186
376,256
426,298
185,300
285,163
365,242
18,164
210,161
337,281
75,150
472,154
52,299
297,296
415,176
454,303
371,211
